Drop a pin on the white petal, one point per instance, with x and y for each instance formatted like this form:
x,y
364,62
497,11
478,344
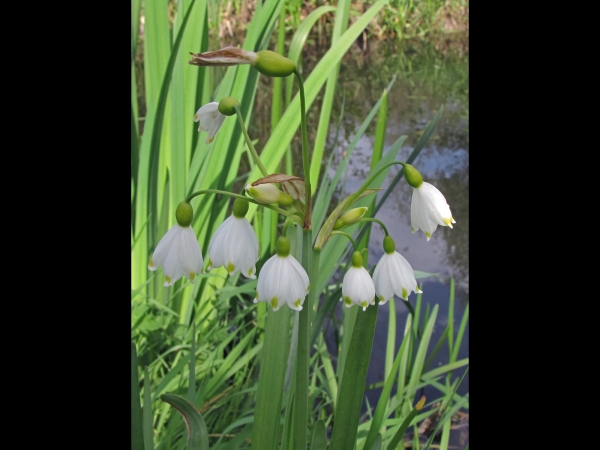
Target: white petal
x,y
210,119
163,247
358,286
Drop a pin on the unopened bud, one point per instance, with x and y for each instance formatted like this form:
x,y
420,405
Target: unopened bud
x,y
273,64
349,217
267,193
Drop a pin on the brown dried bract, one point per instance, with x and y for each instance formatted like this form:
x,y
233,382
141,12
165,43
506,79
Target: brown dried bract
x,y
228,56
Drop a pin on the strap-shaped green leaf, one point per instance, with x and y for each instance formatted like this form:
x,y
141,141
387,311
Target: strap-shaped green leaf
x,y
197,433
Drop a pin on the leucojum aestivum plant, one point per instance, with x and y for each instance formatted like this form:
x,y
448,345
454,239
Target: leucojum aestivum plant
x,y
286,283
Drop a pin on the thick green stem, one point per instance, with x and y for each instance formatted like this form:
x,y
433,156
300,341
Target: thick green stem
x,y
249,142
305,161
303,352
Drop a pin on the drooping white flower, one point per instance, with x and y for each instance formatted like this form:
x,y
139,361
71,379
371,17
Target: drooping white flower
x,y
393,275
178,252
428,208
357,285
234,245
210,119
282,280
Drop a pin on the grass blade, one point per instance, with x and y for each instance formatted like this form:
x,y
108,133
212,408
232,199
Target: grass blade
x,y
137,429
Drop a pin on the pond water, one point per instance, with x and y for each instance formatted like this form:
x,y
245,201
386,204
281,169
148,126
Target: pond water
x,y
428,78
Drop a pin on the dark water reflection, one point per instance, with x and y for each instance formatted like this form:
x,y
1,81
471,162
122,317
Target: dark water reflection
x,y
427,79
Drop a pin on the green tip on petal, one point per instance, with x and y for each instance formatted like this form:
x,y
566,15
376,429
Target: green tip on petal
x,y
250,271
428,234
192,276
274,302
230,267
404,293
347,301
184,214
364,305
297,303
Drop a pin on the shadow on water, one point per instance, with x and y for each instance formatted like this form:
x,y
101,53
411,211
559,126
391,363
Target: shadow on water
x,y
427,79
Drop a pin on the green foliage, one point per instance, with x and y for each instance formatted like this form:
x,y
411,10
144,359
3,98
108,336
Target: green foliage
x,y
211,369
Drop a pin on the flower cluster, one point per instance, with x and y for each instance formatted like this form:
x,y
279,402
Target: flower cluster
x,y
282,279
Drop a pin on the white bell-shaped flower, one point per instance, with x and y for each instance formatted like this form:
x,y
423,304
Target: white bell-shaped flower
x,y
282,280
235,245
178,252
210,120
393,275
357,285
428,208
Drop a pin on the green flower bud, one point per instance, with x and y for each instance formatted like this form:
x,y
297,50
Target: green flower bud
x,y
273,64
356,259
282,246
412,175
349,217
240,208
389,246
184,214
267,193
227,106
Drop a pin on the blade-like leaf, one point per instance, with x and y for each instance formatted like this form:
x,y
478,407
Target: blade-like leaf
x,y
197,438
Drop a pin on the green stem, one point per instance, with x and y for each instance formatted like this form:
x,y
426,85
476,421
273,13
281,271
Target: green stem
x,y
303,353
231,194
305,161
370,219
249,142
348,236
352,198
